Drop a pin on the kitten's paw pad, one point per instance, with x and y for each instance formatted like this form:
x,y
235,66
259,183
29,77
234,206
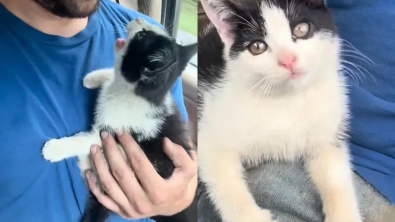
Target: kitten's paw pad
x,y
92,82
52,150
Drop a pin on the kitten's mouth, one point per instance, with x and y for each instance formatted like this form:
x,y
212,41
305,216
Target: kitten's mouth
x,y
296,74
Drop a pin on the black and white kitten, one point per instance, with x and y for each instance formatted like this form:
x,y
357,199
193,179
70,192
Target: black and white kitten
x,y
135,97
271,88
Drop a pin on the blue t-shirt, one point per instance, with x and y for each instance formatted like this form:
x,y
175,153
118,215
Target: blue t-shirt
x,y
42,97
369,26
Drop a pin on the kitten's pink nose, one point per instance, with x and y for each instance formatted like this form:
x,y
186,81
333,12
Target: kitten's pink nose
x,y
119,43
287,60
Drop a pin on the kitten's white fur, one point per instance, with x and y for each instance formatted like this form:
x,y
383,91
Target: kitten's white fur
x,y
117,107
300,118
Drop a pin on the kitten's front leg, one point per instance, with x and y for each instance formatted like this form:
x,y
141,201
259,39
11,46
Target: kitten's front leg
x,y
331,172
222,172
78,145
97,78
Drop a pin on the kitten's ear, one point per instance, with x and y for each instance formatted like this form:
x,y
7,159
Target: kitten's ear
x,y
187,52
217,12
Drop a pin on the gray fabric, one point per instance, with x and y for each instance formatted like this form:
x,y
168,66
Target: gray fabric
x,y
288,192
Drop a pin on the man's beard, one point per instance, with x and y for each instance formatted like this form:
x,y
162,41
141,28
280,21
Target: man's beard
x,y
70,8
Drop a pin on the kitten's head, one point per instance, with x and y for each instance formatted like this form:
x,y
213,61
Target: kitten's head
x,y
278,46
151,60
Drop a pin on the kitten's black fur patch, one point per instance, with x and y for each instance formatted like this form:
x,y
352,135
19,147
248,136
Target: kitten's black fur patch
x,y
211,62
313,11
303,11
133,66
137,57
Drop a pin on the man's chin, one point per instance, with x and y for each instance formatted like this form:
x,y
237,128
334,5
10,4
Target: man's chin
x,y
70,8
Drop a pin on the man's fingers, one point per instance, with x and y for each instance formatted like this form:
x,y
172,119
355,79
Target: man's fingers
x,y
188,195
119,168
103,199
110,186
185,165
122,173
141,165
176,153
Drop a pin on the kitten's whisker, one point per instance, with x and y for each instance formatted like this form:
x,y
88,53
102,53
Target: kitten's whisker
x,y
269,89
362,56
357,69
355,49
252,19
243,23
265,88
287,9
351,74
256,84
360,69
355,56
292,9
248,23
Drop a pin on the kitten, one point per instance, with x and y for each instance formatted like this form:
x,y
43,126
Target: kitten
x,y
272,90
135,97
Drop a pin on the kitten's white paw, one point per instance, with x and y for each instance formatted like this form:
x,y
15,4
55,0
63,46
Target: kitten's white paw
x,y
345,215
84,163
92,82
342,219
256,215
52,150
261,215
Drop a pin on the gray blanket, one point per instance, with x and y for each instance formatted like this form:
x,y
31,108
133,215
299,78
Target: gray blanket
x,y
288,192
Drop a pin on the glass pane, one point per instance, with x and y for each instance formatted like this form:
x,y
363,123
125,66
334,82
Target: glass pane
x,y
188,16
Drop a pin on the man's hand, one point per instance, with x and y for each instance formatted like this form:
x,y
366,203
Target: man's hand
x,y
138,191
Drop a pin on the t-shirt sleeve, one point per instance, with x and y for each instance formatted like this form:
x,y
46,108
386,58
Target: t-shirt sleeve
x,y
178,96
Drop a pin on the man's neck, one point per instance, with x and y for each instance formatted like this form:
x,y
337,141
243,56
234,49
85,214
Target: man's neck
x,y
39,18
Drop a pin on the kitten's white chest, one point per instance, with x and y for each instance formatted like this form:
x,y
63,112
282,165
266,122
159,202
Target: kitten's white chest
x,y
278,127
128,112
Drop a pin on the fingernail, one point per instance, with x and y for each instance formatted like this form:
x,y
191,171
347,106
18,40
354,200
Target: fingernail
x,y
104,134
167,142
120,132
88,174
93,149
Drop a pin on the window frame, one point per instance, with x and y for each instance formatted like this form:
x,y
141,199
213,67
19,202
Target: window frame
x,y
169,19
170,16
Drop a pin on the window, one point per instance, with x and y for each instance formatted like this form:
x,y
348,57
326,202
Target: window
x,y
188,17
180,18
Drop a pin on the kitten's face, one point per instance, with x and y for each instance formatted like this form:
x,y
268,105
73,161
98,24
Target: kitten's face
x,y
149,54
277,46
151,60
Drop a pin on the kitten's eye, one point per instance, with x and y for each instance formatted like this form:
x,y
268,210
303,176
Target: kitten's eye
x,y
257,47
301,30
140,34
